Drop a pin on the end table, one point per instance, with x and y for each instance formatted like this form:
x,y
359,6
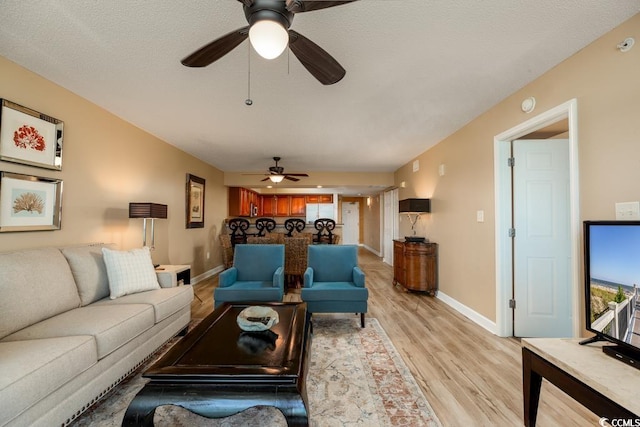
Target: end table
x,y
173,275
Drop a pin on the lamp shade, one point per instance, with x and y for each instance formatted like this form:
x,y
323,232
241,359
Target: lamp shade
x,y
276,178
147,210
269,38
415,205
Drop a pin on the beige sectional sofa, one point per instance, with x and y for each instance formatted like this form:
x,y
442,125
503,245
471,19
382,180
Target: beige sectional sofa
x,y
63,341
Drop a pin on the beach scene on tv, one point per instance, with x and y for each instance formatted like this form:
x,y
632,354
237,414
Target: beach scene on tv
x,y
614,253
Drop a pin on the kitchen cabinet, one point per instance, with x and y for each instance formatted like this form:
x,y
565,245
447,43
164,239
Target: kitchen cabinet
x,y
243,202
297,206
319,198
282,205
415,266
268,206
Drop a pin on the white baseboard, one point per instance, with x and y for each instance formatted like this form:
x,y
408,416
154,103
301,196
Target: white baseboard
x,y
472,315
207,274
370,249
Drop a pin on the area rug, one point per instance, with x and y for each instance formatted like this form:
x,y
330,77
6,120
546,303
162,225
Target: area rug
x,y
356,378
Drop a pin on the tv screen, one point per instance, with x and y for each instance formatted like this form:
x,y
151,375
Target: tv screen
x,y
612,281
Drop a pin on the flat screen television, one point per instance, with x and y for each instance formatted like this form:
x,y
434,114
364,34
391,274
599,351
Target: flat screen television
x,y
612,286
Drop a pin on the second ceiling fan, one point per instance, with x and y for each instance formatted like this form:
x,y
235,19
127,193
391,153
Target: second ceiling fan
x,y
268,30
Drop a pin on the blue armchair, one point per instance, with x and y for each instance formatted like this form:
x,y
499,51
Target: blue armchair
x,y
333,282
257,274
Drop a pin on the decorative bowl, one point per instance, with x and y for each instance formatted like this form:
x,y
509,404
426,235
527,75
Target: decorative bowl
x,y
257,318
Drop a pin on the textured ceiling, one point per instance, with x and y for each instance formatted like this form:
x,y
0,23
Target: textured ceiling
x,y
417,70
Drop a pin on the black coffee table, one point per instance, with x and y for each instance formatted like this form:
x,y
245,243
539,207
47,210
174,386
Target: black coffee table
x,y
217,370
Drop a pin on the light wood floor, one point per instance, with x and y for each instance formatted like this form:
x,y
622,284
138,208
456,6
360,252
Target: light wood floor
x,y
469,376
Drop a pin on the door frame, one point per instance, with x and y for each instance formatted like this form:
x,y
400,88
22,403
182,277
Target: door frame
x,y
390,220
503,207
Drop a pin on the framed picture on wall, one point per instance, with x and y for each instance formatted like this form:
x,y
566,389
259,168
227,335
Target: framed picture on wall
x,y
30,137
29,203
195,201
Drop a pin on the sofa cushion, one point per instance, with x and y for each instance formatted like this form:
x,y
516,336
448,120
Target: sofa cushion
x,y
130,271
111,325
89,271
36,284
32,369
248,291
165,301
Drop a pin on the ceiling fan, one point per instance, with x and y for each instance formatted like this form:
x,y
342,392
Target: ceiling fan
x,y
276,173
269,33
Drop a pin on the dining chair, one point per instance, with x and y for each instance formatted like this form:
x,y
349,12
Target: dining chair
x,y
294,225
295,259
238,227
325,227
265,225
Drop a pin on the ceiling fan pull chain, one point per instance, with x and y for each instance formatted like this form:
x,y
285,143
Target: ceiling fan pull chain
x,y
249,101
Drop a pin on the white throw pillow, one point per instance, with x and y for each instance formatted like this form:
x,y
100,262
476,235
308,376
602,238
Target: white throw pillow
x,y
129,272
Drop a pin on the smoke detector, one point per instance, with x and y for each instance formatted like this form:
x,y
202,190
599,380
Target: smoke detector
x,y
626,44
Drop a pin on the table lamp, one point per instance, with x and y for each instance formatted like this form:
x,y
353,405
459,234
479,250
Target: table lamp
x,y
146,210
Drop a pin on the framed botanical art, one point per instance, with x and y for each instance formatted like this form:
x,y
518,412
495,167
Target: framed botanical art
x,y
30,137
29,203
195,201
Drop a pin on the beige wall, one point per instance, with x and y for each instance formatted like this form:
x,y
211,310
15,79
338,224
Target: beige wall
x,y
606,84
371,223
107,163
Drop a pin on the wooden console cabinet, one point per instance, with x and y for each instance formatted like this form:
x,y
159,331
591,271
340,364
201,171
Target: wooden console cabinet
x,y
415,266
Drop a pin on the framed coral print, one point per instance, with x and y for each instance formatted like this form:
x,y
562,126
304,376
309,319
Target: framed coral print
x,y
195,201
30,137
29,203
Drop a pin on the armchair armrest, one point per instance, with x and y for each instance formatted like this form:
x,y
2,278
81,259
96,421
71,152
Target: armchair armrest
x,y
308,277
228,277
278,278
358,277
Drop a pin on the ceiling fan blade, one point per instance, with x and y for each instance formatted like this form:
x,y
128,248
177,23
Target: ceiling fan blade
x,y
290,178
215,50
296,174
315,59
297,6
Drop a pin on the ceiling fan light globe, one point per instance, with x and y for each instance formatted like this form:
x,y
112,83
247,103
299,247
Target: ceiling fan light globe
x,y
276,178
268,38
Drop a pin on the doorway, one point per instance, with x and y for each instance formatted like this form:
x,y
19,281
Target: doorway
x,y
390,221
350,223
506,257
541,242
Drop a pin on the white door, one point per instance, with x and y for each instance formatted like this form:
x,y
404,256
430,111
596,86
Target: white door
x,y
542,245
350,223
390,230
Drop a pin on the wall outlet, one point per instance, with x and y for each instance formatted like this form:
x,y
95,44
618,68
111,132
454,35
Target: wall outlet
x,y
480,216
208,255
628,210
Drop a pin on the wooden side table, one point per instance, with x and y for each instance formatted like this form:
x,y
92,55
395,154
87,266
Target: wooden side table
x,y
174,275
605,386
